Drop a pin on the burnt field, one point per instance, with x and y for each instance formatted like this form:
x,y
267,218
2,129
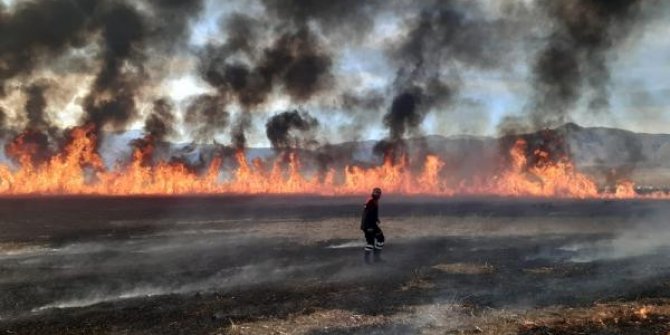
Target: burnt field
x,y
294,265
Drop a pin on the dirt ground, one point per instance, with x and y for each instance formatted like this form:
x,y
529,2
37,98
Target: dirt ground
x,y
294,265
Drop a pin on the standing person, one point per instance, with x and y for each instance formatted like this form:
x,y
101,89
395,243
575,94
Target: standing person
x,y
374,237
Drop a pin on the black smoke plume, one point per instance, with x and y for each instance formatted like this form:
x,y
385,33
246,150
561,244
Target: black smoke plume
x,y
366,100
449,31
297,60
3,122
112,97
34,141
345,22
344,19
157,126
247,71
279,129
240,126
575,58
445,33
363,108
35,31
169,26
404,114
294,63
35,106
207,117
160,122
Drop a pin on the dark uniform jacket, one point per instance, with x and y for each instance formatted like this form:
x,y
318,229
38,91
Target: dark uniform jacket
x,y
370,215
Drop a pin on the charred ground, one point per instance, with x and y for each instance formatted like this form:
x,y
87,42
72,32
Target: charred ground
x,y
243,264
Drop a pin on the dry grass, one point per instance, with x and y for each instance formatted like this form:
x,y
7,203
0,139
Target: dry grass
x,y
455,318
419,279
460,319
427,226
544,270
613,318
10,248
466,268
306,323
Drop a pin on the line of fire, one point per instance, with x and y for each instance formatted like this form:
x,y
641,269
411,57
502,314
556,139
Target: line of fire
x,y
527,168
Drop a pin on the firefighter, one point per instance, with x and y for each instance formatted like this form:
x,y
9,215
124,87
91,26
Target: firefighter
x,y
374,237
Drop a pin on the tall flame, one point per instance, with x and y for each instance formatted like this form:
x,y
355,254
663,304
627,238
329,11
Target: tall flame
x,y
79,169
545,178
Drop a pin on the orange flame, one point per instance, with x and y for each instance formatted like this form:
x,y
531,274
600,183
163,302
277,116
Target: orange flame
x,y
79,169
545,178
643,312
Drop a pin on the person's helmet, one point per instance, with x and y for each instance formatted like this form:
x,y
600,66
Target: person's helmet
x,y
376,192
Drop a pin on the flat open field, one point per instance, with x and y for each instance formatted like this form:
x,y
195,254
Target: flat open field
x,y
294,265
